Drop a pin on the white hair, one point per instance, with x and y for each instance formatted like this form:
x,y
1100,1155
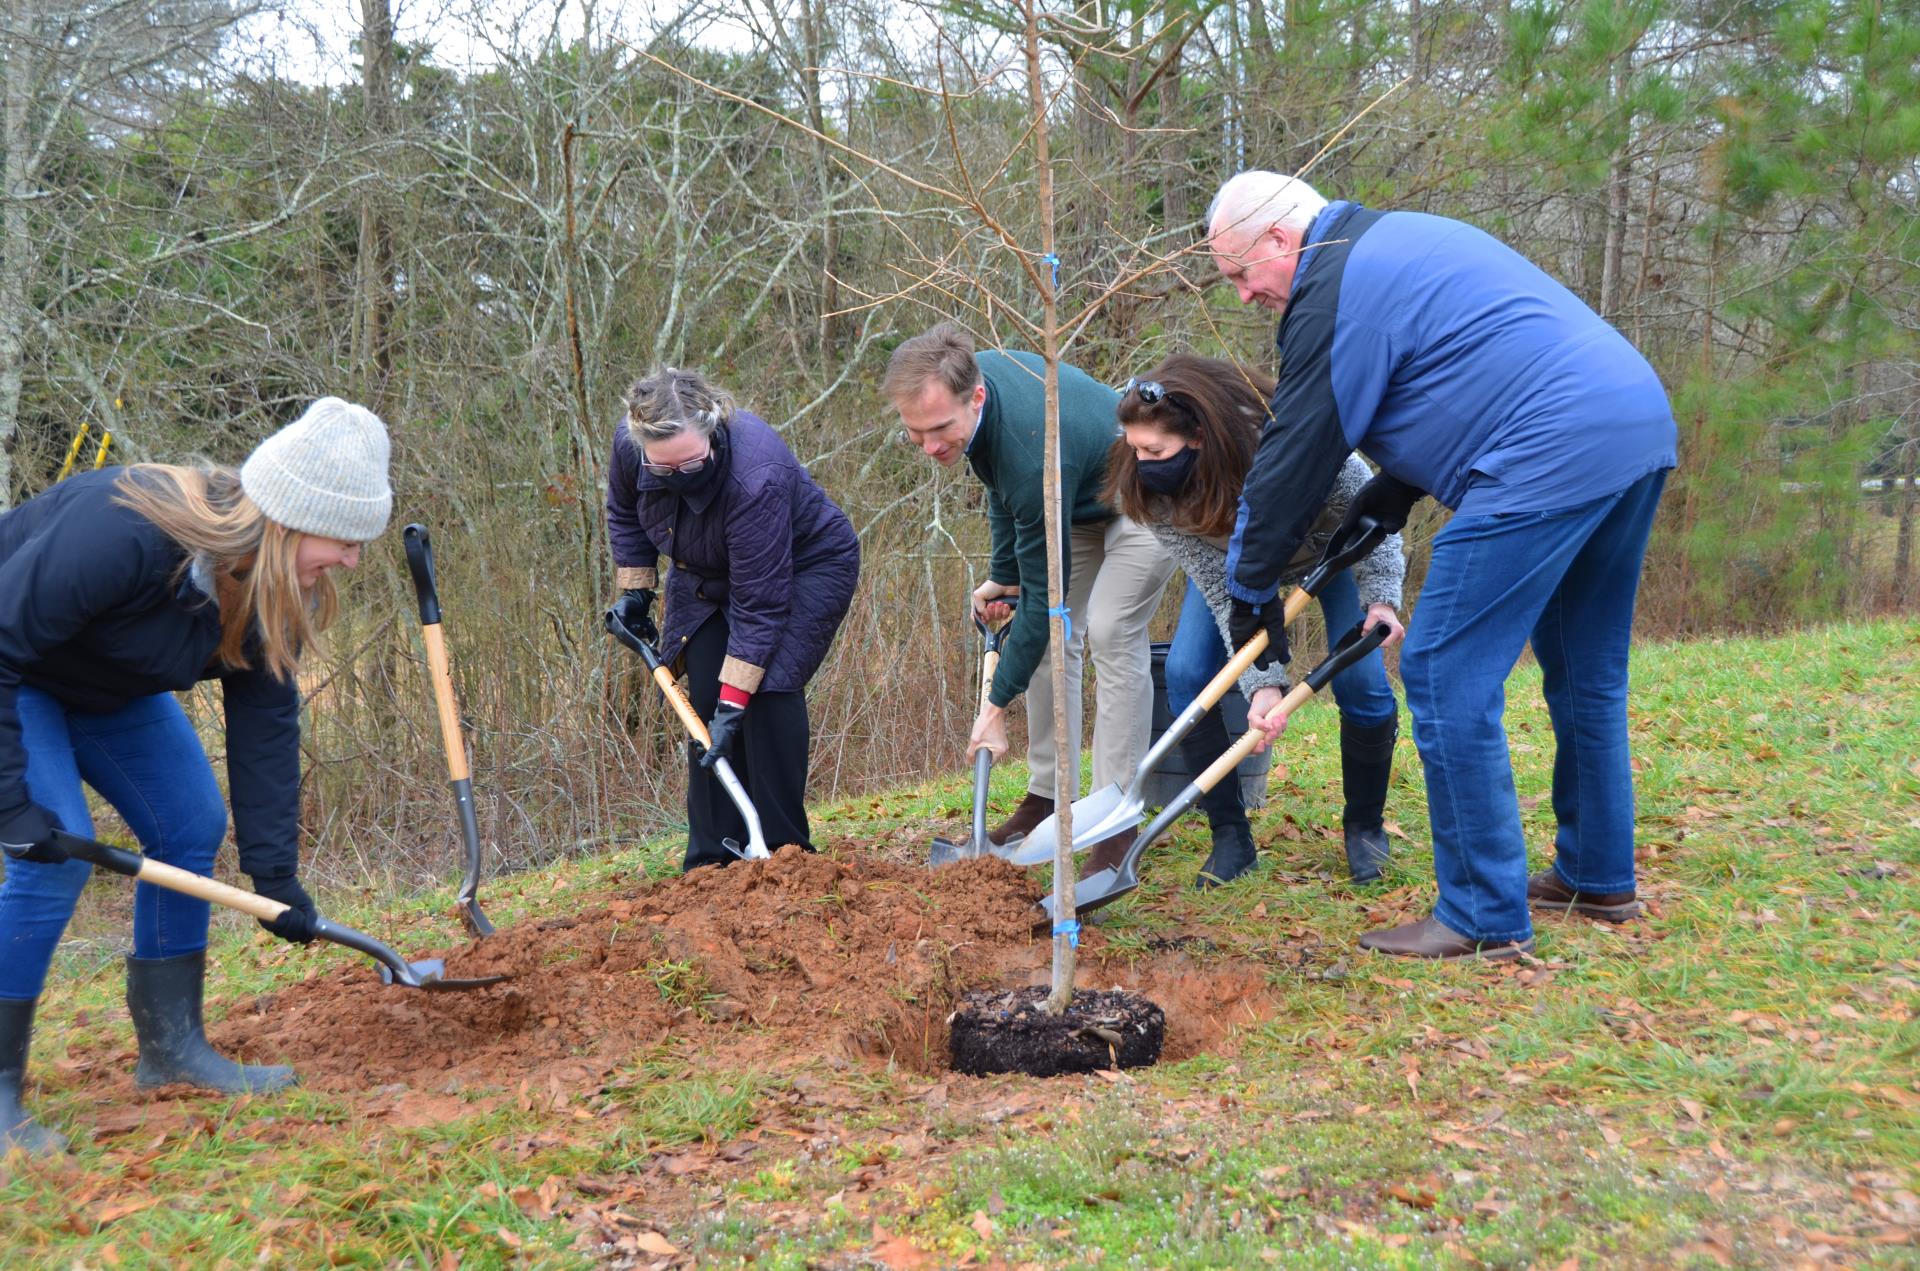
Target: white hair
x,y
1253,202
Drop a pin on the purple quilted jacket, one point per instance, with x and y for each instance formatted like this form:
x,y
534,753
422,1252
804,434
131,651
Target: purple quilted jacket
x,y
765,544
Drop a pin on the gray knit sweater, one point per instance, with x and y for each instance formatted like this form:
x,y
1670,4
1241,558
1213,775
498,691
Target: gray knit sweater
x,y
1378,575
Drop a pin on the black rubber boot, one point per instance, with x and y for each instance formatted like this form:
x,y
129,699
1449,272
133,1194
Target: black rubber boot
x,y
1233,851
17,1129
1366,765
164,996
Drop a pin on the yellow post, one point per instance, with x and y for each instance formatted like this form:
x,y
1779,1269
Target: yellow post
x,y
100,455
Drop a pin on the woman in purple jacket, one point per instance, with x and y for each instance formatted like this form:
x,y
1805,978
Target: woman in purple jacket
x,y
763,570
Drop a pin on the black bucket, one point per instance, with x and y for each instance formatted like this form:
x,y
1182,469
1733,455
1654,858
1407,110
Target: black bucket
x,y
1174,774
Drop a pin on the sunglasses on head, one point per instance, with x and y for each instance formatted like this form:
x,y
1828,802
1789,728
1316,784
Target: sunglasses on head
x,y
1152,392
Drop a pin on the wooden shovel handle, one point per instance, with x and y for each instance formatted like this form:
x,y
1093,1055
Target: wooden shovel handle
x,y
161,874
1237,665
442,677
1226,763
689,718
988,665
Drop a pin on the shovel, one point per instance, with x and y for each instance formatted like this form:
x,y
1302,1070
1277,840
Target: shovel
x,y
429,974
1106,812
420,562
945,851
1101,889
690,719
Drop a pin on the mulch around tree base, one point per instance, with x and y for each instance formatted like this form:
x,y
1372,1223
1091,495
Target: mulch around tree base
x,y
995,1032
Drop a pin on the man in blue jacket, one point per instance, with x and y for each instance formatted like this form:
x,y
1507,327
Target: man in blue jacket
x,y
1463,371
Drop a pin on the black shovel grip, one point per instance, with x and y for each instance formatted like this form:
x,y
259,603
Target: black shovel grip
x,y
994,635
1343,550
1353,646
420,562
117,860
626,635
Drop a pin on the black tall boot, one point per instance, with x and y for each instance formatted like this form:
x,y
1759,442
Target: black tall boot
x,y
1366,765
1233,850
164,997
17,1128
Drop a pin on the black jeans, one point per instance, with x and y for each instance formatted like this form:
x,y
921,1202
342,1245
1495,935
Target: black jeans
x,y
770,758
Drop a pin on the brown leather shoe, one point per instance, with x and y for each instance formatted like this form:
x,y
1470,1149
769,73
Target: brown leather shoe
x,y
1431,938
1033,809
1106,853
1549,893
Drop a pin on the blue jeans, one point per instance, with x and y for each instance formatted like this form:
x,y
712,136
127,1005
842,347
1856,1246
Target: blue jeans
x,y
1198,653
145,760
1565,580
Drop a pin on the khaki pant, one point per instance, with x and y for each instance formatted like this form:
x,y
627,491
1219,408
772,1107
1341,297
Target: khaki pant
x,y
1119,573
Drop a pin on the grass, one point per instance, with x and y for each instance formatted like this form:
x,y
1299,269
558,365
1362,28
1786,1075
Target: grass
x,y
1728,1083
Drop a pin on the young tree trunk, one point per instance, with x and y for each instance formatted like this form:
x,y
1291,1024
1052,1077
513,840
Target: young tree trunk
x,y
1619,174
1066,773
15,247
813,40
373,353
1903,543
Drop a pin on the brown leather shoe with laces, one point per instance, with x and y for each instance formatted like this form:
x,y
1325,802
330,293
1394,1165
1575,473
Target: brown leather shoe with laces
x,y
1548,893
1033,809
1431,938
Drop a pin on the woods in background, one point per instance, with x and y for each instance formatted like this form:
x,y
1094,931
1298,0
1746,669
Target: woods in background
x,y
191,248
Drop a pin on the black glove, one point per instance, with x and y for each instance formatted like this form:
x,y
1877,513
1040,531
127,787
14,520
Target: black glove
x,y
1245,621
635,611
297,922
723,728
1388,500
27,835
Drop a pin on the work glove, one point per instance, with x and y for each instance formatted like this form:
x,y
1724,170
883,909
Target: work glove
x,y
1387,500
1245,621
297,923
722,728
635,611
27,835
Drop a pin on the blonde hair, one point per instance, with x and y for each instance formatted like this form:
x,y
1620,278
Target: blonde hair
x,y
251,557
672,401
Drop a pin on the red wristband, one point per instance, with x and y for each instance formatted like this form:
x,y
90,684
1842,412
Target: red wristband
x,y
735,696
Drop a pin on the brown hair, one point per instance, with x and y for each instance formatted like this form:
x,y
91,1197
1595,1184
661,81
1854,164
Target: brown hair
x,y
206,512
672,401
1222,404
945,353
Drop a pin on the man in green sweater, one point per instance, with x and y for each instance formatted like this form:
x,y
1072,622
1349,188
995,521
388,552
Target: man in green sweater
x,y
990,409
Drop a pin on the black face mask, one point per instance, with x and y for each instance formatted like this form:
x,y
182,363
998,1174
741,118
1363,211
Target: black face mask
x,y
1167,476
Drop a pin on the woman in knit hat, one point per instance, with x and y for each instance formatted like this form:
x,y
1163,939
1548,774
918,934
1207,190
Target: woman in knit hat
x,y
123,587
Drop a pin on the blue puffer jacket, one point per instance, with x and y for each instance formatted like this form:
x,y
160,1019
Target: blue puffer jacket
x,y
1454,363
764,542
95,613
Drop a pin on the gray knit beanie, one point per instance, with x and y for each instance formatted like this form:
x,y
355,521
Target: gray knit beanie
x,y
325,473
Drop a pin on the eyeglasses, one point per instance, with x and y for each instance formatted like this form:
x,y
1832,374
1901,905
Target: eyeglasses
x,y
1152,392
688,468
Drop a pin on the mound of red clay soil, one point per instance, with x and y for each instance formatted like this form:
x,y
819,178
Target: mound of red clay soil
x,y
766,963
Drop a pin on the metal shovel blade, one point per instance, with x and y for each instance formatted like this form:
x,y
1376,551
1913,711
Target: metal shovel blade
x,y
946,851
430,975
1100,815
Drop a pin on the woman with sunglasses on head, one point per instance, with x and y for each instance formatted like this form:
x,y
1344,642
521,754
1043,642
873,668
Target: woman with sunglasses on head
x,y
1190,427
118,589
762,570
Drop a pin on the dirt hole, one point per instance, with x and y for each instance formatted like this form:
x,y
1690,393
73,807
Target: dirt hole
x,y
765,964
